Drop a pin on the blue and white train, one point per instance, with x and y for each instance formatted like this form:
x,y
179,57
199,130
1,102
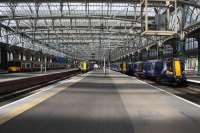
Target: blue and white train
x,y
165,70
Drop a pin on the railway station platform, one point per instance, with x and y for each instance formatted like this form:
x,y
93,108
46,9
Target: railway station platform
x,y
193,78
15,76
95,103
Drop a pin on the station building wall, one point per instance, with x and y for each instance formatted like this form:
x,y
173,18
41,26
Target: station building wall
x,y
191,59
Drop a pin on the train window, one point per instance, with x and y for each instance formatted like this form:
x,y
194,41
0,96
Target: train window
x,y
147,66
191,43
158,65
170,65
28,65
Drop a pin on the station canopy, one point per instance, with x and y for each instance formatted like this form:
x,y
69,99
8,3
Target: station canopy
x,y
82,29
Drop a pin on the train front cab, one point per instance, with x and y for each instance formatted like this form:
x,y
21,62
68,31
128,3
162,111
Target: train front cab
x,y
84,67
175,71
14,66
124,68
179,71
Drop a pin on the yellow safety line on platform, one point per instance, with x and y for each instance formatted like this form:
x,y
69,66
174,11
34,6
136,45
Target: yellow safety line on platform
x,y
14,109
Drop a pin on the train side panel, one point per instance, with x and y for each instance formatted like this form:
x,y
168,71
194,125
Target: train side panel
x,y
138,69
165,70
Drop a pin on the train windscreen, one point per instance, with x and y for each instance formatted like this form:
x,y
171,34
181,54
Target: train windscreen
x,y
169,66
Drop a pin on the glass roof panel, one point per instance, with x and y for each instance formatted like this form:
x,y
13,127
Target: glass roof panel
x,y
87,22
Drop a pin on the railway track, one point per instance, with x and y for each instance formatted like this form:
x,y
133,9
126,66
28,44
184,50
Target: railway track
x,y
12,90
190,92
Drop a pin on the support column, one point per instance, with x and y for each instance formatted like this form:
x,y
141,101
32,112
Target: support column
x,y
198,39
128,58
157,51
131,58
4,62
160,52
174,47
180,49
147,52
139,56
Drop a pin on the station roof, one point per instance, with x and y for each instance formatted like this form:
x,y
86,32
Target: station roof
x,y
75,27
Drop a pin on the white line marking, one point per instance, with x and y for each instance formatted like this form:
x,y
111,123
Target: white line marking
x,y
195,81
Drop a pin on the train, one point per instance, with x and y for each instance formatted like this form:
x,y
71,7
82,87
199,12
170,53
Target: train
x,y
124,67
18,59
161,70
31,66
86,66
121,67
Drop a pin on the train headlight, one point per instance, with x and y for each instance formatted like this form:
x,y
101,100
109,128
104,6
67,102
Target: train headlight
x,y
169,73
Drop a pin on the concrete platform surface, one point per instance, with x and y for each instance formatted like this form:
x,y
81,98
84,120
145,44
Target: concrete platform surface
x,y
93,103
193,78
